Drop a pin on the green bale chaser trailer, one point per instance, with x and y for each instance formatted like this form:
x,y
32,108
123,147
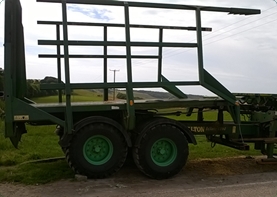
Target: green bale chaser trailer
x,y
96,136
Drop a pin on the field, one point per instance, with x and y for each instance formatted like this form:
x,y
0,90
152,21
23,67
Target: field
x,y
16,165
77,96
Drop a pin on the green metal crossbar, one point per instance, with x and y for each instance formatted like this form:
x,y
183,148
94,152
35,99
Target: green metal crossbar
x,y
160,5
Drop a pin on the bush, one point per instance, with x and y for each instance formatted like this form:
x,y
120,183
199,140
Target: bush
x,y
121,96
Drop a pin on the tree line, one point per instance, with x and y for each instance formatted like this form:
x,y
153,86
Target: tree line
x,y
33,86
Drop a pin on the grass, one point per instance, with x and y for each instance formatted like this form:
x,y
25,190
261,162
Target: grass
x,y
36,173
204,150
77,96
40,142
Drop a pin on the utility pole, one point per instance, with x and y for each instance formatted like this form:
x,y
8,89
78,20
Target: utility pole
x,y
114,71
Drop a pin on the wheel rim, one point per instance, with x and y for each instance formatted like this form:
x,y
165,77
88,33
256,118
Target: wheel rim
x,y
98,150
163,152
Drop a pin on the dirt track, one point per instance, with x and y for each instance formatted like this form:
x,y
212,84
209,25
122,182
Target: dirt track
x,y
130,182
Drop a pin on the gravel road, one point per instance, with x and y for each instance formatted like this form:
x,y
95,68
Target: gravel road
x,y
203,178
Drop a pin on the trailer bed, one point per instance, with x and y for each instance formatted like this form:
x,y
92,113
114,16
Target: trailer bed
x,y
139,104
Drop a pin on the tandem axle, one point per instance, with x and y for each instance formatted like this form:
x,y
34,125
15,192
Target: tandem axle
x,y
96,136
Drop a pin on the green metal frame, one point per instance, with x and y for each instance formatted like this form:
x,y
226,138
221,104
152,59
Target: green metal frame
x,y
205,79
18,109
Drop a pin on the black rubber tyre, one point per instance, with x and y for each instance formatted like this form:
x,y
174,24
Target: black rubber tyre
x,y
161,149
87,146
59,132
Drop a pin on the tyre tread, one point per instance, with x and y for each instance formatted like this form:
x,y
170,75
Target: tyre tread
x,y
137,149
78,170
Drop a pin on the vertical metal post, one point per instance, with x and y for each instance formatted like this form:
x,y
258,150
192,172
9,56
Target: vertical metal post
x,y
270,150
206,79
9,78
270,146
59,61
114,83
160,55
129,88
200,117
69,121
9,67
220,116
114,90
106,93
200,46
8,87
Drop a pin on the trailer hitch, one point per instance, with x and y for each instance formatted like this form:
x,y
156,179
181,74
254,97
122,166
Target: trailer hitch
x,y
226,142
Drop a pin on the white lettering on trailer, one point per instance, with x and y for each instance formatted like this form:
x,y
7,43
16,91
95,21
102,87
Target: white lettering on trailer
x,y
114,107
204,129
21,117
197,129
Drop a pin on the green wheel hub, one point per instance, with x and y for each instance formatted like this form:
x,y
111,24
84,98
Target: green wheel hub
x,y
98,150
163,152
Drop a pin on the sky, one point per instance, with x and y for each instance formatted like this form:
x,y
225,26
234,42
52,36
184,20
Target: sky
x,y
240,51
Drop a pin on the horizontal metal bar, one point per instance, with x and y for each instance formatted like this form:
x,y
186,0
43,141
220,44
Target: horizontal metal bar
x,y
122,25
241,11
159,5
161,84
265,139
116,43
99,56
116,85
82,86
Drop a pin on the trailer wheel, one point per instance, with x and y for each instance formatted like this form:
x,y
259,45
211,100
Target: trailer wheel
x,y
97,150
161,149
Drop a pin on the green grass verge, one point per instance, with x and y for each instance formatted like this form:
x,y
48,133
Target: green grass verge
x,y
36,173
39,143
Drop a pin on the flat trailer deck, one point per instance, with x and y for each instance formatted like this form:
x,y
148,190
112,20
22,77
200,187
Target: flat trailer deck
x,y
138,104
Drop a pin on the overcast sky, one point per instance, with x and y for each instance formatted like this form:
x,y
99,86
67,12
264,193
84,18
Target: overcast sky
x,y
241,51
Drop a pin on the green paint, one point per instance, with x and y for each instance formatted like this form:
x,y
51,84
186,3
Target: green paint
x,y
163,152
98,150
